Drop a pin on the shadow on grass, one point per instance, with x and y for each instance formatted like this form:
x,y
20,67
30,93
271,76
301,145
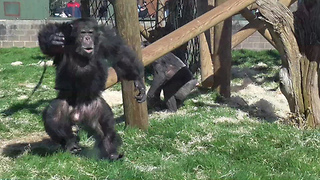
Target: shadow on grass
x,y
262,109
43,148
31,107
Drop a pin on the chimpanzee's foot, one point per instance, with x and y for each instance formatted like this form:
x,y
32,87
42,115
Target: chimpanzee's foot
x,y
72,146
75,149
185,90
115,157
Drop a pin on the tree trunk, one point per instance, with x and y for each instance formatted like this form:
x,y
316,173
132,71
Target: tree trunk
x,y
297,40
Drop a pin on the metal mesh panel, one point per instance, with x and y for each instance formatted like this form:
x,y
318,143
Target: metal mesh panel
x,y
103,11
162,17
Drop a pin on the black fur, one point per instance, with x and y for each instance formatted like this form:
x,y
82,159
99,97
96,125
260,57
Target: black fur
x,y
172,76
82,50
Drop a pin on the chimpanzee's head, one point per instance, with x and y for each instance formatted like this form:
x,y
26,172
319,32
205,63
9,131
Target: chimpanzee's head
x,y
84,36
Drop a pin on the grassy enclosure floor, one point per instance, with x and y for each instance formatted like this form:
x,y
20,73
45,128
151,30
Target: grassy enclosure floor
x,y
208,138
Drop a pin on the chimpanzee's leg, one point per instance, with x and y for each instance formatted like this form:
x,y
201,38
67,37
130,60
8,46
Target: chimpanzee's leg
x,y
153,95
169,90
178,88
107,139
184,91
172,104
58,125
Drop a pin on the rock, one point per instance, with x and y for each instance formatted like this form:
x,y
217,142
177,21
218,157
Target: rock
x,y
113,98
260,66
17,63
48,63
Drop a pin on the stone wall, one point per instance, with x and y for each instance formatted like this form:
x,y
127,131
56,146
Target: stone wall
x,y
23,33
19,33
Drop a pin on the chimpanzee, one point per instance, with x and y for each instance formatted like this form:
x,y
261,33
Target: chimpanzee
x,y
172,76
82,50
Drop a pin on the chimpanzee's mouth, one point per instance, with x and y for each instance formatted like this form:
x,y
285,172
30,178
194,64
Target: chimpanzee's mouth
x,y
88,50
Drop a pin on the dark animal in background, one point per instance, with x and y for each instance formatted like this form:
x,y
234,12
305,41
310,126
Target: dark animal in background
x,y
173,77
82,50
159,32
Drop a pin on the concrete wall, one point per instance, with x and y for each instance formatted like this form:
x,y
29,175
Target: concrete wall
x,y
23,33
19,33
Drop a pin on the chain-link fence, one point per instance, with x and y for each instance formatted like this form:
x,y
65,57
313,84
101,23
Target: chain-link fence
x,y
157,18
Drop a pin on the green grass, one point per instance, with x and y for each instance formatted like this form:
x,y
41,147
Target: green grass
x,y
249,58
247,62
203,140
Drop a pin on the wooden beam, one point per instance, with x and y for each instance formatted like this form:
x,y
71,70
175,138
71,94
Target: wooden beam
x,y
246,13
136,114
245,32
205,62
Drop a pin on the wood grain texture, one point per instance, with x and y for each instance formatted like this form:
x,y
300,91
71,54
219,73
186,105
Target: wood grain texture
x,y
136,114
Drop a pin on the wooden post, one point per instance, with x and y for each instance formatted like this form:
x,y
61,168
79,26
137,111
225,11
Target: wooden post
x,y
85,8
205,55
211,4
127,23
222,55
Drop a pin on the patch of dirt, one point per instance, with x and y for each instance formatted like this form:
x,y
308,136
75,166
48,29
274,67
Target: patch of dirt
x,y
258,101
26,143
113,98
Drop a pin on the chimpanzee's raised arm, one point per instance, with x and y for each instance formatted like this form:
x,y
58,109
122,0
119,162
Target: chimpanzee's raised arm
x,y
124,60
52,39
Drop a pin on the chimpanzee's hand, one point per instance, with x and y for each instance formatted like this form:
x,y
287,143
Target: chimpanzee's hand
x,y
57,42
139,85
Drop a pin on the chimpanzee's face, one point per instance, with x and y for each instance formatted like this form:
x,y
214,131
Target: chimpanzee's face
x,y
84,39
